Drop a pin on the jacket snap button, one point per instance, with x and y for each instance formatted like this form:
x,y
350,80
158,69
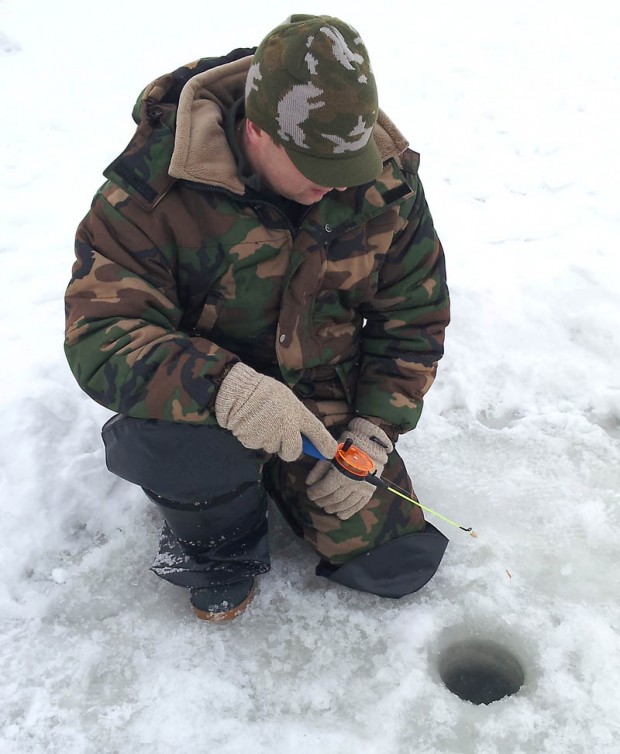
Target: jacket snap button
x,y
328,228
282,338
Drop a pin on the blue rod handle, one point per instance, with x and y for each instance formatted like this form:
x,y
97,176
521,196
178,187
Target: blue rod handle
x,y
309,449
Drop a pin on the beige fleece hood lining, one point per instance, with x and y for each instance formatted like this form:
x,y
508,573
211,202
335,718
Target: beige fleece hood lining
x,y
201,151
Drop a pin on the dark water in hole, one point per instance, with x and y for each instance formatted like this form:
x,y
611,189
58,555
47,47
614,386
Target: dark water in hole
x,y
480,685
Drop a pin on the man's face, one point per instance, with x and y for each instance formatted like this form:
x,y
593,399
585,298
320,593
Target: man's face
x,y
277,170
281,175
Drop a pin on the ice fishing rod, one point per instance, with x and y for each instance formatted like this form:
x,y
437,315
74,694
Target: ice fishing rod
x,y
356,464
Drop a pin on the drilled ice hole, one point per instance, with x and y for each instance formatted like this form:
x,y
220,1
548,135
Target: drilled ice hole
x,y
480,671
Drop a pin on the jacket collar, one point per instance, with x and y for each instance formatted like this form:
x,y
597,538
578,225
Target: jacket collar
x,y
202,149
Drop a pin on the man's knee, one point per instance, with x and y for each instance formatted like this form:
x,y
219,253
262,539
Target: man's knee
x,y
178,461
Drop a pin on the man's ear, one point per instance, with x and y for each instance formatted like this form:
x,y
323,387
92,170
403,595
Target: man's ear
x,y
254,133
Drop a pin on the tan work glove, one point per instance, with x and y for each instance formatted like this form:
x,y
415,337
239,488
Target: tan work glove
x,y
263,413
337,493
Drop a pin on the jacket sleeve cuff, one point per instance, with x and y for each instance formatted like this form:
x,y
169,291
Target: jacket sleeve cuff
x,y
391,430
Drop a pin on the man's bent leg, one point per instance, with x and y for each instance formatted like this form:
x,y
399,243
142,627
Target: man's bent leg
x,y
208,489
386,549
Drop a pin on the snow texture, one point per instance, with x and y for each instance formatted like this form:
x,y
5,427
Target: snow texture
x,y
513,107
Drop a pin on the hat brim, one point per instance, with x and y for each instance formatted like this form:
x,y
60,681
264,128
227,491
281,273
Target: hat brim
x,y
351,169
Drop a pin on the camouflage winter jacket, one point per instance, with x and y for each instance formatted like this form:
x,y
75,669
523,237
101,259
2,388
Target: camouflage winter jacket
x,y
181,270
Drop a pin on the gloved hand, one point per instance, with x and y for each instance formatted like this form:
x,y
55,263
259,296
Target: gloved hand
x,y
263,413
336,493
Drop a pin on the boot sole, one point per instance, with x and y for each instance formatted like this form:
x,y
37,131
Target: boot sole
x,y
227,614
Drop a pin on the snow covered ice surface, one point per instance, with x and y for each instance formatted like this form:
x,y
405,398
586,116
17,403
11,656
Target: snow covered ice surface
x,y
514,108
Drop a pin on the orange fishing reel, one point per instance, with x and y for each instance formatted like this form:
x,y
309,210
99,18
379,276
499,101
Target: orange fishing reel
x,y
354,462
349,460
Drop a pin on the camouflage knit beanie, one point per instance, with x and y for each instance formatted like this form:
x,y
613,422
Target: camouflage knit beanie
x,y
311,88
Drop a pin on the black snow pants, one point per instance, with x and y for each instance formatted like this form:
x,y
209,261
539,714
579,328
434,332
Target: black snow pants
x,y
212,495
208,489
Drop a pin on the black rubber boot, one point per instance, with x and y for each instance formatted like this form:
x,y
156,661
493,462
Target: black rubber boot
x,y
224,602
213,542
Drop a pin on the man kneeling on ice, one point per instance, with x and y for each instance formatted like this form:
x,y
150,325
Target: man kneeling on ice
x,y
261,266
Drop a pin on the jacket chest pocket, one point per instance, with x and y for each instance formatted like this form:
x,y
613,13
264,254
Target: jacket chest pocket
x,y
241,286
350,276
